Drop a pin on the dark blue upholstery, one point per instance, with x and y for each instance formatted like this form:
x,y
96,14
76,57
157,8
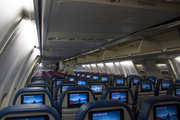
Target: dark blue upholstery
x,y
51,78
60,84
105,91
33,89
39,83
148,104
78,88
83,110
172,88
159,84
177,81
56,79
29,108
152,77
38,79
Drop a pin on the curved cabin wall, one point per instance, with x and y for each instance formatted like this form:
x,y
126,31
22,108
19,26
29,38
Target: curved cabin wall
x,y
17,56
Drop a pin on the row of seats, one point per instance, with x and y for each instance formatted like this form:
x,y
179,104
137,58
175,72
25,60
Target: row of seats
x,y
157,108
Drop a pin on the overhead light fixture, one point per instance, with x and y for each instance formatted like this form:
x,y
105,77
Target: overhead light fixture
x,y
83,65
161,65
93,64
126,62
117,63
88,65
109,63
139,65
100,64
178,58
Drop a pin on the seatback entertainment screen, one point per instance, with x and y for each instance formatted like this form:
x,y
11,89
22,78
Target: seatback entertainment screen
x,y
33,99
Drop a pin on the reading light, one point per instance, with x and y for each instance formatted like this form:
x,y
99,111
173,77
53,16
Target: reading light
x,y
161,65
178,58
139,65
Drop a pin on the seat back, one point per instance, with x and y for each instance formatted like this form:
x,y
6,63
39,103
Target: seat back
x,y
81,81
103,109
33,95
144,90
118,93
160,108
162,86
39,84
29,112
119,81
174,90
35,79
106,79
97,87
55,82
61,87
177,81
88,75
71,99
72,78
133,82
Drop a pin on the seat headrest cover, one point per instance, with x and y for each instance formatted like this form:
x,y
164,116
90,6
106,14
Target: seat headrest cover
x,y
94,82
33,89
72,89
60,84
24,108
106,90
100,104
148,103
171,88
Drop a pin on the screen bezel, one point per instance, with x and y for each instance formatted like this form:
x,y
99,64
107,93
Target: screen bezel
x,y
165,88
154,109
66,88
105,81
99,111
110,95
26,117
95,79
148,89
135,83
81,80
96,93
22,97
120,84
76,105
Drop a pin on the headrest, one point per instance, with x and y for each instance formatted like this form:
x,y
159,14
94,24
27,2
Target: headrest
x,y
148,104
83,110
60,84
177,81
27,108
106,90
33,89
95,82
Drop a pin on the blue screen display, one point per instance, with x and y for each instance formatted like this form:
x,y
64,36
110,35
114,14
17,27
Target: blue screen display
x,y
177,93
88,76
57,82
81,82
66,86
66,77
32,99
71,79
119,96
104,79
120,82
82,75
135,81
77,98
39,118
165,85
110,115
96,88
78,74
145,86
166,113
95,77
153,80
74,73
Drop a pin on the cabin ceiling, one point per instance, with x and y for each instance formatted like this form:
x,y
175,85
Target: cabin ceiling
x,y
74,27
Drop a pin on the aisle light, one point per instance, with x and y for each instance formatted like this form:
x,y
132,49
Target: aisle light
x,y
178,58
109,63
100,64
117,63
93,64
126,62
